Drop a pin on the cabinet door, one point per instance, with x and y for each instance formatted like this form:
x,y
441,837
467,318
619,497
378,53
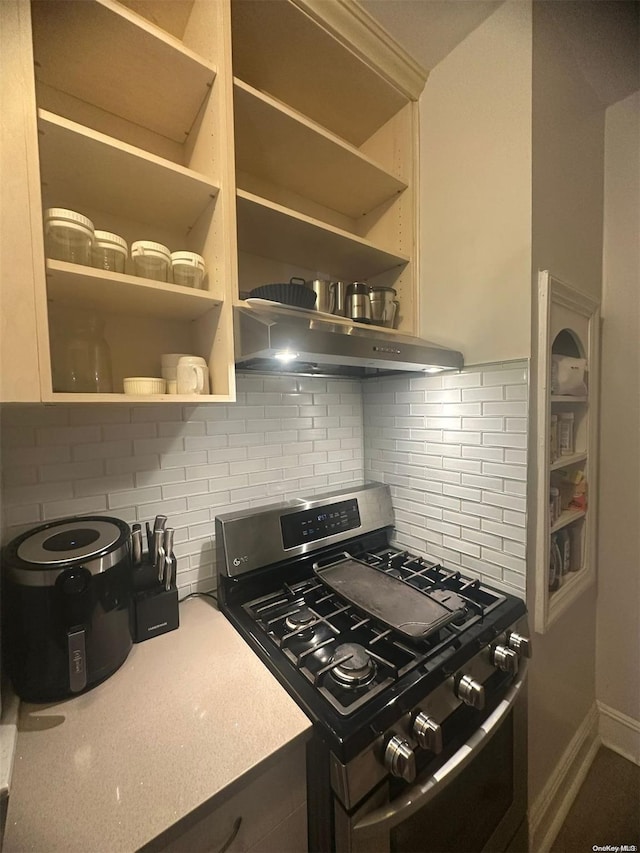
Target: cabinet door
x,y
568,330
266,813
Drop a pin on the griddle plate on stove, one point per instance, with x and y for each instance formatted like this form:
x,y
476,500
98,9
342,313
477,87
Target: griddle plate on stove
x,y
400,606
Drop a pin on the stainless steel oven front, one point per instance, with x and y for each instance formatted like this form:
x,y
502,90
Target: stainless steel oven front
x,y
472,800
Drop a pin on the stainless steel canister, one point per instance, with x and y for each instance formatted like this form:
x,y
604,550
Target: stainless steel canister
x,y
357,302
383,305
325,294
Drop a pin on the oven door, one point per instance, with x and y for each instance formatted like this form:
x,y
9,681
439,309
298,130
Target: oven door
x,y
476,801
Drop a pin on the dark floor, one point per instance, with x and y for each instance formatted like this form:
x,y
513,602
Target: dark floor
x,y
606,810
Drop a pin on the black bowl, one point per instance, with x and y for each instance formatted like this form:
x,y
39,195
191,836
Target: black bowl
x,y
287,294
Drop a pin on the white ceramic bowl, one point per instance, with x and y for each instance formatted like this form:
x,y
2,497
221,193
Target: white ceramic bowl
x,y
144,385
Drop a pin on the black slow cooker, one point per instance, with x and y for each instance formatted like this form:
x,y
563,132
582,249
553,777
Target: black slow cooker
x,y
67,603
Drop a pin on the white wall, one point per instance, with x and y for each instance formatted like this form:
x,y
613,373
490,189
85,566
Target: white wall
x,y
568,152
618,649
475,192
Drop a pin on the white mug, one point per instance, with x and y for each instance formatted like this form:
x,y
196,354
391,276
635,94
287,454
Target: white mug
x,y
192,375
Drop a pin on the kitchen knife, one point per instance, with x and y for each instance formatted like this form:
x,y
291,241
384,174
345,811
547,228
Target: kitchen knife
x,y
136,544
168,540
169,564
149,541
158,528
160,561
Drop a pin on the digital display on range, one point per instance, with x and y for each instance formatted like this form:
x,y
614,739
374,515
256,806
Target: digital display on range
x,y
309,525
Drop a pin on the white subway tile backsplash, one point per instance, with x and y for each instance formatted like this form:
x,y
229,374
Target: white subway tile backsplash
x,y
506,501
67,435
483,394
37,493
468,466
134,497
183,460
18,436
517,456
516,392
102,450
504,440
462,492
515,408
122,432
481,417
19,476
70,471
511,472
506,531
461,380
425,436
75,506
483,424
505,376
99,485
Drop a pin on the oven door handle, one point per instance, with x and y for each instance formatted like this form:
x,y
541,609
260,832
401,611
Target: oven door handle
x,y
386,817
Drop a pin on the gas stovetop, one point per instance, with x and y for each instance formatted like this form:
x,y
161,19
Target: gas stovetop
x,y
347,654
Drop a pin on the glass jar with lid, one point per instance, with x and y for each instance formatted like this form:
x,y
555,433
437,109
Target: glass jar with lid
x,y
110,251
68,236
151,260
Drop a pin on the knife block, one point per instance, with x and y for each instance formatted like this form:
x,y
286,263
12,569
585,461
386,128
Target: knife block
x,y
155,608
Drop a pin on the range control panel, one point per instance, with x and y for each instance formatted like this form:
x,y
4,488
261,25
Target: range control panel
x,y
309,525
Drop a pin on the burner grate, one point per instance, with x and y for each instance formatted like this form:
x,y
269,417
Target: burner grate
x,y
329,623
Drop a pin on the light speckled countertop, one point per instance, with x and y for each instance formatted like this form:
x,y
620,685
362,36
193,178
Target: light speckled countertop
x,y
186,715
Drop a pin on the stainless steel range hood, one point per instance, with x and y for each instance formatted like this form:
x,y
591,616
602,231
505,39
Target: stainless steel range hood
x,y
272,338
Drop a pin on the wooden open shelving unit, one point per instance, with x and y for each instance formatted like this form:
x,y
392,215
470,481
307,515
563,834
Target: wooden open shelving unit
x,y
274,138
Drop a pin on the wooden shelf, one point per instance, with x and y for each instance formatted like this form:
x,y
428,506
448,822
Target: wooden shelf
x,y
279,145
567,461
84,168
101,53
279,48
567,518
273,231
108,291
63,397
565,398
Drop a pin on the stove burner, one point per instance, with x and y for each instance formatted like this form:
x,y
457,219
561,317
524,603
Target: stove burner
x,y
300,621
354,666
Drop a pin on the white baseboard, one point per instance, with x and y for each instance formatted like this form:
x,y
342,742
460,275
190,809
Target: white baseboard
x,y
619,732
548,812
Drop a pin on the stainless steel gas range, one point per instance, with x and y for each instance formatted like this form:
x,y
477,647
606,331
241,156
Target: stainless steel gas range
x,y
413,675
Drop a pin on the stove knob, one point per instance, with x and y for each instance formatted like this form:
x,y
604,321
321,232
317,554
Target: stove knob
x,y
428,733
399,759
471,692
520,644
505,659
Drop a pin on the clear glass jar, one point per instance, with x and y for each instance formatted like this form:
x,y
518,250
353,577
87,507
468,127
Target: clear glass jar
x,y
68,236
109,252
86,359
187,269
151,260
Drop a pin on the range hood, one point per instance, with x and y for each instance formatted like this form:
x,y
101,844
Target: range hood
x,y
273,338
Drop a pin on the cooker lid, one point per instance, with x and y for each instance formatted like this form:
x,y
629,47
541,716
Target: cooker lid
x,y
78,539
